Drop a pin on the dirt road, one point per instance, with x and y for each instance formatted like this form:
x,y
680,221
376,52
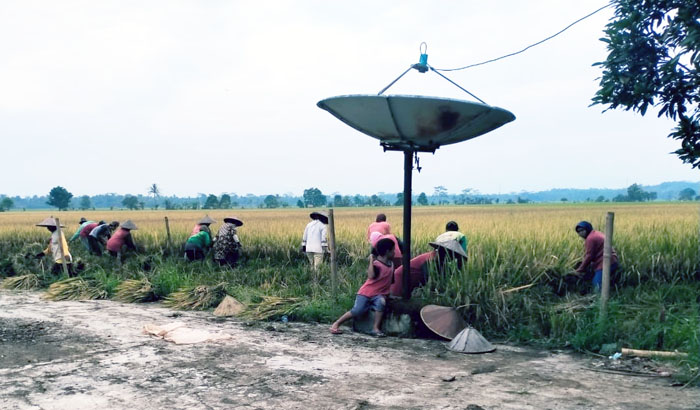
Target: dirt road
x,y
93,355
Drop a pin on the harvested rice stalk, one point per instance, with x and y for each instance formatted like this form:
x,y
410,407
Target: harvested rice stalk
x,y
75,289
196,298
272,306
135,291
576,304
24,282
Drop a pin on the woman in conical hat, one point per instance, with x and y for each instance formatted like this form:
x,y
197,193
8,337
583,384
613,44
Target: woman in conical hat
x,y
122,240
58,248
227,246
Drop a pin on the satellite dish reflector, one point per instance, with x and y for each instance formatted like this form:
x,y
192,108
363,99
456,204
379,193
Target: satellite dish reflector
x,y
442,320
470,340
417,122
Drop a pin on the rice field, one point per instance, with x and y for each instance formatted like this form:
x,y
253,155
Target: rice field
x,y
510,246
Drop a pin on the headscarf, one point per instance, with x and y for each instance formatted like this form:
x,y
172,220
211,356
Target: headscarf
x,y
584,225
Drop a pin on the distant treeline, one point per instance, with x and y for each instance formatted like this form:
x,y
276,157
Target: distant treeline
x,y
313,197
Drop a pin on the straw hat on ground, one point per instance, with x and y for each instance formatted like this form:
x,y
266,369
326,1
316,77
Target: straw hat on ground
x,y
206,220
128,224
450,245
49,222
233,220
442,320
320,215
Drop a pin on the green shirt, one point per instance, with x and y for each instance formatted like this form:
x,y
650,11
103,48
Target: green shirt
x,y
201,239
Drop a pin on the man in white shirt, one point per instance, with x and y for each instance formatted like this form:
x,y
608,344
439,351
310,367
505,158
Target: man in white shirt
x,y
314,242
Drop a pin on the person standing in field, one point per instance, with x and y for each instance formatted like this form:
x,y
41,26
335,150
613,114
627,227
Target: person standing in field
x,y
380,225
58,248
444,250
452,232
77,235
203,224
593,254
227,246
314,241
99,236
372,295
122,240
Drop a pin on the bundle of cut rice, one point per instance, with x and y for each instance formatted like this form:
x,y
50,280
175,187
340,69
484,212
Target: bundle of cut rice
x,y
75,289
272,306
135,291
24,282
196,298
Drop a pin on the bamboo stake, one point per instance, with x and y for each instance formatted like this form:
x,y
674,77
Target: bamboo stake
x,y
607,255
331,247
651,353
167,230
60,246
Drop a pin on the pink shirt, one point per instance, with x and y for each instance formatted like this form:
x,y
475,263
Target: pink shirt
x,y
415,273
87,229
381,227
593,254
379,285
397,249
115,243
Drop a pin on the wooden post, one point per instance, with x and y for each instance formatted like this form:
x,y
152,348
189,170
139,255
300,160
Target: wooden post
x,y
607,255
167,230
334,259
60,246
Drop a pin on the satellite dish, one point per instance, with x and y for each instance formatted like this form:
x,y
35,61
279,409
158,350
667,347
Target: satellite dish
x,y
416,122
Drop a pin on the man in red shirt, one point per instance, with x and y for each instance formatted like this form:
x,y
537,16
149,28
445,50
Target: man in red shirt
x,y
593,253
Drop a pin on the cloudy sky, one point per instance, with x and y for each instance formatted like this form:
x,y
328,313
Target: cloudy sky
x,y
220,96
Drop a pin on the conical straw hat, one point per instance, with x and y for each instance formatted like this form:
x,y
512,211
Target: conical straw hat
x,y
206,220
129,225
233,220
48,222
470,340
443,321
320,215
450,245
229,307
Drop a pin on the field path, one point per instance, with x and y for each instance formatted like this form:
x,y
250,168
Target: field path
x,y
93,355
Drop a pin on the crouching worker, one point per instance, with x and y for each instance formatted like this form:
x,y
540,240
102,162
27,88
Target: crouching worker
x,y
444,250
227,247
58,248
122,240
593,254
197,245
372,295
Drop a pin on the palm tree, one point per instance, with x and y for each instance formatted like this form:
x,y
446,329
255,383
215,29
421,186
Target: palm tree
x,y
155,191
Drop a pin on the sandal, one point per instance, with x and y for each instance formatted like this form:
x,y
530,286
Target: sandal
x,y
336,331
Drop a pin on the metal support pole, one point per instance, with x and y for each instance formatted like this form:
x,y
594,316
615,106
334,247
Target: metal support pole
x,y
607,255
406,261
334,259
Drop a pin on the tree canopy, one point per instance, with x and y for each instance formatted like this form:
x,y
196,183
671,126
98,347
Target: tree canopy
x,y
654,60
60,198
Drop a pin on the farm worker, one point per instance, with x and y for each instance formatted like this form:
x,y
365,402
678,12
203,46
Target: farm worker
x,y
99,236
593,253
372,295
227,246
83,239
85,233
444,250
380,225
122,240
314,242
203,224
452,232
374,238
197,245
58,248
